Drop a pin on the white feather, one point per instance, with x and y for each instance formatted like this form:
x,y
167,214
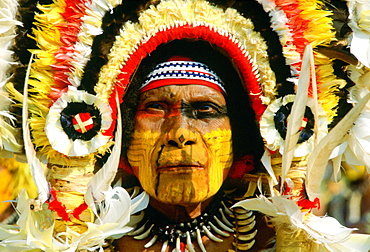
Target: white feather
x,y
8,135
286,213
360,149
337,163
297,113
355,242
319,157
8,23
139,203
116,207
8,9
102,180
266,161
359,39
34,163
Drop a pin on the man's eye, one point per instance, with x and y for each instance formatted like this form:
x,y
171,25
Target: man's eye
x,y
155,106
206,109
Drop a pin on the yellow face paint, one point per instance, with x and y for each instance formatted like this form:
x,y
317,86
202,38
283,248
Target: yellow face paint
x,y
180,158
221,156
181,176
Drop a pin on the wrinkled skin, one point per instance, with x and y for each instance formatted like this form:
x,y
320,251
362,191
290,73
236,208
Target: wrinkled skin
x,y
181,149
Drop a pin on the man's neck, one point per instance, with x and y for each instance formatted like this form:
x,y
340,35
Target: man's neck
x,y
180,213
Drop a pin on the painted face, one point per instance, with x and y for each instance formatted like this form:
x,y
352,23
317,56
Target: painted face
x,y
181,149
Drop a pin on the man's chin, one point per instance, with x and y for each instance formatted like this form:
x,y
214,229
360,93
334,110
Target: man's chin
x,y
174,198
182,191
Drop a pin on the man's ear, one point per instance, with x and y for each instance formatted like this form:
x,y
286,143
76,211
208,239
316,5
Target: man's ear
x,y
124,164
241,166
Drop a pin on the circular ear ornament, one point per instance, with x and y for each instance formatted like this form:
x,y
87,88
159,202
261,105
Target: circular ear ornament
x,y
76,122
273,125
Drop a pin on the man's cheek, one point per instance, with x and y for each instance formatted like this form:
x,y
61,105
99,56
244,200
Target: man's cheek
x,y
141,149
219,144
220,157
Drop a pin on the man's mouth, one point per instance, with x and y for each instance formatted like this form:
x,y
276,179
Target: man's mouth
x,y
180,167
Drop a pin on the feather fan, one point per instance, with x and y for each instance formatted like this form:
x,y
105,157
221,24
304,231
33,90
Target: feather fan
x,y
35,164
319,158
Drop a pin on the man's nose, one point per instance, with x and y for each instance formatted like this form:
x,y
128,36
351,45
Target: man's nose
x,y
180,132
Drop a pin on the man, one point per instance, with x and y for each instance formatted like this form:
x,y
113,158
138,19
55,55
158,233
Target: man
x,y
181,151
181,147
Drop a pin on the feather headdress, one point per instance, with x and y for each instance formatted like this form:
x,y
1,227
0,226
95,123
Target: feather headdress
x,y
88,55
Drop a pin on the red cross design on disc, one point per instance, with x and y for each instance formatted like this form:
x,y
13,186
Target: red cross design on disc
x,y
82,122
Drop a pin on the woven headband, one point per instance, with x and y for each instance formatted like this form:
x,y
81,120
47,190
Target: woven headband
x,y
182,72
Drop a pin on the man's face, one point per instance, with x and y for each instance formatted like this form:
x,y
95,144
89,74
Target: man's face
x,y
181,147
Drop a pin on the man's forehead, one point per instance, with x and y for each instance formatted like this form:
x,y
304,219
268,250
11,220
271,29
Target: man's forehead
x,y
176,92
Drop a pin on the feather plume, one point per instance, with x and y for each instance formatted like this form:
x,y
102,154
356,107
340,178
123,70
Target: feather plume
x,y
360,150
326,231
139,203
337,163
8,23
319,158
102,180
297,113
35,164
116,207
266,161
8,9
360,39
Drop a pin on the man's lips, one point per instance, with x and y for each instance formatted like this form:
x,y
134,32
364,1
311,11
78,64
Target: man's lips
x,y
180,167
